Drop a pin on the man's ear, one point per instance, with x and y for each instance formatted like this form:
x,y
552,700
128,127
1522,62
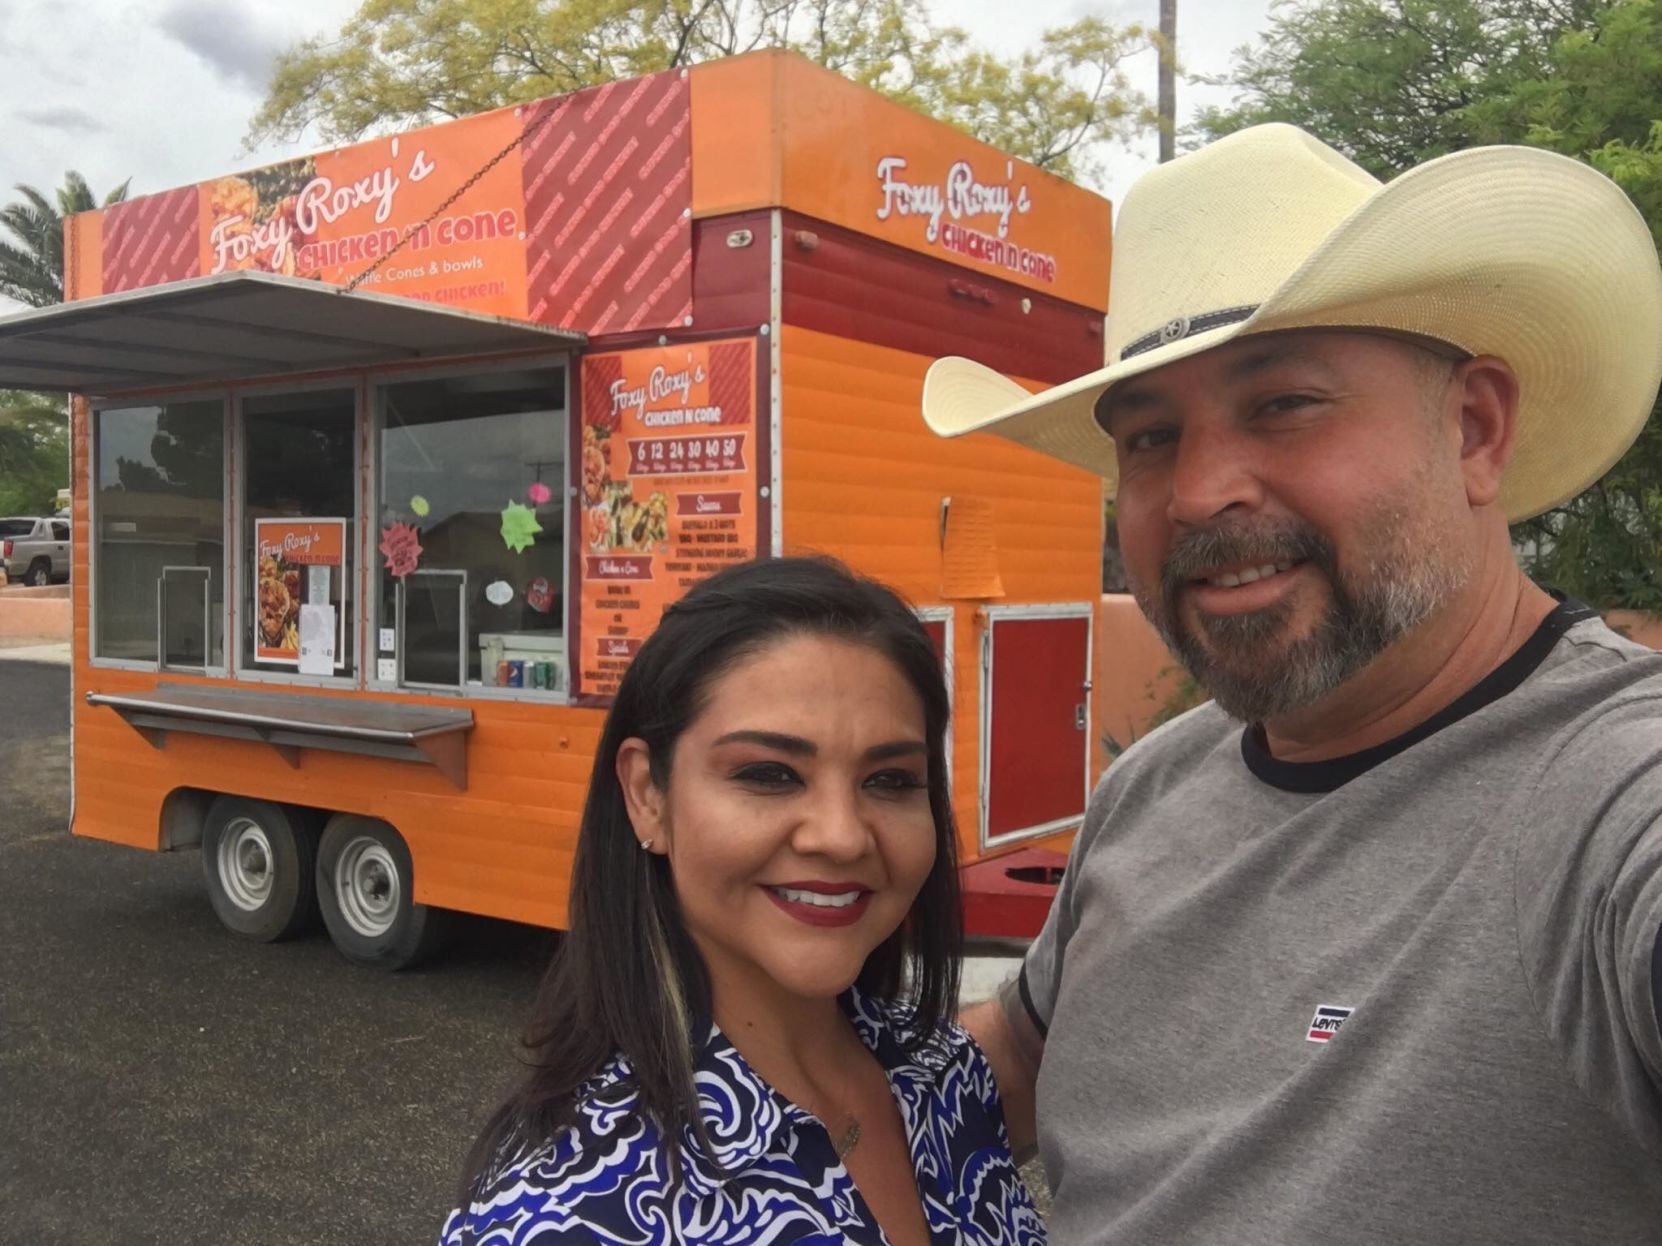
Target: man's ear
x,y
1487,390
642,796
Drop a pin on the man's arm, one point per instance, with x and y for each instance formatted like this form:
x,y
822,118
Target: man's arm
x,y
1014,1047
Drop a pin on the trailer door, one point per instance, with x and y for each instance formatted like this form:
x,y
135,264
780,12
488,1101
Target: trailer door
x,y
1035,721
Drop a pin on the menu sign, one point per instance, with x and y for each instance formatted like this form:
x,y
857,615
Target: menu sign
x,y
669,465
297,562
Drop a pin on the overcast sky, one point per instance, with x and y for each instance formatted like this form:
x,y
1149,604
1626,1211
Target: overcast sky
x,y
162,90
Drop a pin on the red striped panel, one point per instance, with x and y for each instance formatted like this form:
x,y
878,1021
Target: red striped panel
x,y
151,240
608,191
733,380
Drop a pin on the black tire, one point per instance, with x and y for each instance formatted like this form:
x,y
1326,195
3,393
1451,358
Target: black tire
x,y
259,861
39,574
365,886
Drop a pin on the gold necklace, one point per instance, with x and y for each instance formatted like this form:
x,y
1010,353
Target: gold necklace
x,y
850,1137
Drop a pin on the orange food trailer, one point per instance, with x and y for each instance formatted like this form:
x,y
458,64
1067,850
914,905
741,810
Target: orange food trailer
x,y
387,459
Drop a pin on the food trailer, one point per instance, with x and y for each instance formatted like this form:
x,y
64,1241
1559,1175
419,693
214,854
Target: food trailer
x,y
387,459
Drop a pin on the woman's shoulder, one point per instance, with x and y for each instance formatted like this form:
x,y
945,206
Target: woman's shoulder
x,y
943,1052
572,1186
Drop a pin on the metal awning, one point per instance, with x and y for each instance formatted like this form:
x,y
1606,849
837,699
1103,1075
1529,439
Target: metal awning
x,y
243,324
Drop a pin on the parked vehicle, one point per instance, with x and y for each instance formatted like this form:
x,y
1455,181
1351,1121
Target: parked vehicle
x,y
34,551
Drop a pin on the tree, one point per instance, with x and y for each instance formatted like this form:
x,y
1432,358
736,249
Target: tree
x,y
31,263
1393,83
34,452
397,63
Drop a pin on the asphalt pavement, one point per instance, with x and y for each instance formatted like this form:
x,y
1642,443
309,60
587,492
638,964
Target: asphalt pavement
x,y
164,1082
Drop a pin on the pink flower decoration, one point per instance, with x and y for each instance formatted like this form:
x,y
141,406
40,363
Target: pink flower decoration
x,y
401,543
539,493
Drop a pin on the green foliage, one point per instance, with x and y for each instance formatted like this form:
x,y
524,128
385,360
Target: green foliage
x,y
1184,695
34,453
31,259
403,62
1393,83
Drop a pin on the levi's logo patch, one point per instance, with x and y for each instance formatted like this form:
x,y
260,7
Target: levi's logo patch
x,y
1325,1024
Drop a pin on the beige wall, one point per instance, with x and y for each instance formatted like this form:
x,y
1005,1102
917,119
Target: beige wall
x,y
1132,673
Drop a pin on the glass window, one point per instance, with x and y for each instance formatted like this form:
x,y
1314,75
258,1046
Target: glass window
x,y
159,485
298,529
17,527
455,451
60,531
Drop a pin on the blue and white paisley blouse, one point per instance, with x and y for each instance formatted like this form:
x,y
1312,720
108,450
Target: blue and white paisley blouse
x,y
605,1179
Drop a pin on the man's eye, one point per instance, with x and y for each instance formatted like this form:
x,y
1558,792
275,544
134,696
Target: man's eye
x,y
1145,439
1282,404
772,775
896,781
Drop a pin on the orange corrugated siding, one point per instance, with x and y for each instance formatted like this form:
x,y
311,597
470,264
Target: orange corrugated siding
x,y
863,479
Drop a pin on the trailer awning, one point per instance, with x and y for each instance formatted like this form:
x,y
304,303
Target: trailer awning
x,y
236,325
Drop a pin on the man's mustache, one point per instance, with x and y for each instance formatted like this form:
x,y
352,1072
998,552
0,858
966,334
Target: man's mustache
x,y
1201,551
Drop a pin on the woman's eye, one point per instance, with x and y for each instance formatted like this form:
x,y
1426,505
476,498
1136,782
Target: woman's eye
x,y
768,774
896,781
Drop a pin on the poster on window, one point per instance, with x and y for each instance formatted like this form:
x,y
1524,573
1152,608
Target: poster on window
x,y
297,561
668,481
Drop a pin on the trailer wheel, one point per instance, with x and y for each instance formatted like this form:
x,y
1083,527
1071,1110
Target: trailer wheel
x,y
366,887
259,864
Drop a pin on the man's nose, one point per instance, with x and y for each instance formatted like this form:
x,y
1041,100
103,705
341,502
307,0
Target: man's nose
x,y
1214,470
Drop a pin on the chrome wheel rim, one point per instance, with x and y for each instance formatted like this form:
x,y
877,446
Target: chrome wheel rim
x,y
246,869
367,887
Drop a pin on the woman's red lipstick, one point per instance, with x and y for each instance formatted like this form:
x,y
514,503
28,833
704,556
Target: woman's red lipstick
x,y
820,914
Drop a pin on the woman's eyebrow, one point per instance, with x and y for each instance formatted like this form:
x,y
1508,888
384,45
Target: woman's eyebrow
x,y
793,744
896,748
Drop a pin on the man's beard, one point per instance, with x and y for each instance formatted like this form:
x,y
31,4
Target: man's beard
x,y
1241,659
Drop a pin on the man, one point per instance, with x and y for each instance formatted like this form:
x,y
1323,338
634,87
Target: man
x,y
1364,950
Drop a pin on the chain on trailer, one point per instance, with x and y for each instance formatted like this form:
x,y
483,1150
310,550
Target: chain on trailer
x,y
548,114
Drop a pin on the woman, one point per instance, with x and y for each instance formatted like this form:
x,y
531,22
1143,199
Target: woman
x,y
721,1050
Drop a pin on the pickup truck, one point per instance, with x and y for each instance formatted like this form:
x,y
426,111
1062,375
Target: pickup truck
x,y
34,551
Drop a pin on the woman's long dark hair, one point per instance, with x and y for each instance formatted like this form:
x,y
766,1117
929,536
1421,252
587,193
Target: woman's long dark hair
x,y
627,977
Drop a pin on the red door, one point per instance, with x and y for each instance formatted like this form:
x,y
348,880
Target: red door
x,y
1035,723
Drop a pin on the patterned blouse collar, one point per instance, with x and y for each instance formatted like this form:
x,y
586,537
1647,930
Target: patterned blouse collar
x,y
745,1118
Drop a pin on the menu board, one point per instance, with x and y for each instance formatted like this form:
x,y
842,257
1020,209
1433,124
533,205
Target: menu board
x,y
297,562
669,496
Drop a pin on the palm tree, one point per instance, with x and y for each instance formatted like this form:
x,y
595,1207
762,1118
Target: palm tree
x,y
31,267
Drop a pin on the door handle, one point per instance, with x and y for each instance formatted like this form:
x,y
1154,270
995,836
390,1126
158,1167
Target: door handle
x,y
1079,717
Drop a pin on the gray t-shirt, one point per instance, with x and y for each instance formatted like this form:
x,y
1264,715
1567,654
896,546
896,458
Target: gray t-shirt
x,y
1402,997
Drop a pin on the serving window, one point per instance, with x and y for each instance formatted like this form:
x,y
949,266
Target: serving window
x,y
472,497
159,519
298,452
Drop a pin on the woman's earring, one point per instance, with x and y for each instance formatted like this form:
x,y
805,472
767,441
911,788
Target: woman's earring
x,y
646,845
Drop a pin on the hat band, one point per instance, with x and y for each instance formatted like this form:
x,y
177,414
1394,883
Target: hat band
x,y
1187,326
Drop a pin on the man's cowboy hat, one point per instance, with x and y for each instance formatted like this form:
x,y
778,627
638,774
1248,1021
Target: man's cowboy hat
x,y
1506,251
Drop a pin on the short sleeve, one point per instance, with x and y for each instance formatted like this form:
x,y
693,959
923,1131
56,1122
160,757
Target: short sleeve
x,y
1589,904
1040,981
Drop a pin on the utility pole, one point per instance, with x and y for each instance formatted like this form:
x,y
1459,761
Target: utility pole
x,y
1168,79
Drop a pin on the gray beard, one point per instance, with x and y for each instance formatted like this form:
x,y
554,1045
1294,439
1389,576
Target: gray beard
x,y
1250,672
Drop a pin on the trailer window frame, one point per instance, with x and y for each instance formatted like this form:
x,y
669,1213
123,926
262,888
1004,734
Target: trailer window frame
x,y
377,382
353,381
224,395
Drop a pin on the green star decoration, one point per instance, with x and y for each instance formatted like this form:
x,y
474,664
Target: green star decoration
x,y
519,527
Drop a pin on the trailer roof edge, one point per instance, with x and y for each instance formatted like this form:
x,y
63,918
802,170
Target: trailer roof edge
x,y
239,325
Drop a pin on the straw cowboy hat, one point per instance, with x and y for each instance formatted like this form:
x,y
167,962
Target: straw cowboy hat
x,y
1506,251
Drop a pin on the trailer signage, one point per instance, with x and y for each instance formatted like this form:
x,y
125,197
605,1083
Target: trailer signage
x,y
660,511
297,562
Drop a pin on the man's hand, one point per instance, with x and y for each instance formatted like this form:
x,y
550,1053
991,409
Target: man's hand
x,y
1013,1047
